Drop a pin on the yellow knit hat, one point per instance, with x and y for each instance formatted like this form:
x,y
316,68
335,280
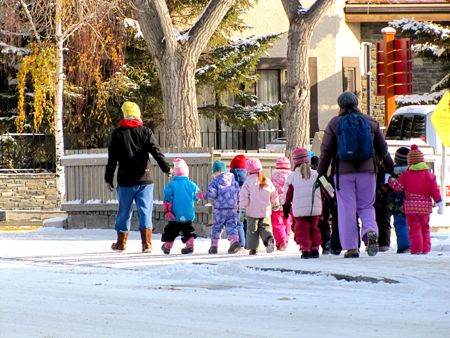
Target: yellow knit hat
x,y
131,109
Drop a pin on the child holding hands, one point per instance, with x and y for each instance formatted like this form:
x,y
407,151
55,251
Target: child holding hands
x,y
281,226
305,199
179,199
420,187
224,190
257,198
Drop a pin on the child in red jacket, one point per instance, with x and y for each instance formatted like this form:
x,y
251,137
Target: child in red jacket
x,y
420,187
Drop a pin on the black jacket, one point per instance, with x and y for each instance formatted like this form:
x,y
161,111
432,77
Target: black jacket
x,y
130,147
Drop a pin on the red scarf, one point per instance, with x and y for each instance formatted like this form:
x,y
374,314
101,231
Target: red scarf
x,y
130,123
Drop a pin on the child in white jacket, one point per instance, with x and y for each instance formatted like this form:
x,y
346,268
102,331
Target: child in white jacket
x,y
257,198
301,195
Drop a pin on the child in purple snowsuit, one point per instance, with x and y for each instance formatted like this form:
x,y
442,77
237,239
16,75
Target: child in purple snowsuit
x,y
224,190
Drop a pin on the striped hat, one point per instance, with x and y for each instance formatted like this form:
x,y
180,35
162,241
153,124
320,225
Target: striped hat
x,y
299,156
180,167
401,156
283,163
415,155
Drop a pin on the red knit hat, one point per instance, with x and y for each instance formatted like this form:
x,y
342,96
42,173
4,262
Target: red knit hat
x,y
299,156
415,155
283,163
238,162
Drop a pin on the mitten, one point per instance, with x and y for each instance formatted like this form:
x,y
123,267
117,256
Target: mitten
x,y
441,207
167,207
386,178
286,210
241,215
276,207
169,173
200,195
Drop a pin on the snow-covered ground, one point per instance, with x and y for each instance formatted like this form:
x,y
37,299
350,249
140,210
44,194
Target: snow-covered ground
x,y
67,283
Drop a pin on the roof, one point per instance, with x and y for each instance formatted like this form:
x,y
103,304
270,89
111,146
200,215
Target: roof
x,y
389,10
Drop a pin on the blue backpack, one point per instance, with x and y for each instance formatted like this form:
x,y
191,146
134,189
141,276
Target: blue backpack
x,y
354,138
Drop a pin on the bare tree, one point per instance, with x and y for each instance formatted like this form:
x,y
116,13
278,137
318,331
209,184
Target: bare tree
x,y
302,22
176,55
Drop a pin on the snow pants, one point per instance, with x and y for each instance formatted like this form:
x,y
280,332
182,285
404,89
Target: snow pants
x,y
142,195
419,233
401,231
257,228
355,196
173,229
307,233
281,228
227,218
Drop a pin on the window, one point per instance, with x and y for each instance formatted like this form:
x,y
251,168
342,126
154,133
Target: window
x,y
351,75
405,127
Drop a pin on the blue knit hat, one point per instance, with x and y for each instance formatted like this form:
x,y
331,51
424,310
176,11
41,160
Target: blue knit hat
x,y
219,166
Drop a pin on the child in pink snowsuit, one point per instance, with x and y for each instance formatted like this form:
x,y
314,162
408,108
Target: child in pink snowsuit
x,y
281,226
420,186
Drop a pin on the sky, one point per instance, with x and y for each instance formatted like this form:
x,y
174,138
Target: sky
x,y
68,283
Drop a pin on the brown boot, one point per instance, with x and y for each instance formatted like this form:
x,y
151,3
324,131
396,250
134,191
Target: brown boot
x,y
121,243
146,237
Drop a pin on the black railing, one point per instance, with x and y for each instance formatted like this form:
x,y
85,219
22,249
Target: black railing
x,y
234,139
27,152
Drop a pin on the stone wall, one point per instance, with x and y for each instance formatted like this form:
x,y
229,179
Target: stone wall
x,y
28,192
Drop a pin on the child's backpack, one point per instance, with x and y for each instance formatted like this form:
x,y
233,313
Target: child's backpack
x,y
354,138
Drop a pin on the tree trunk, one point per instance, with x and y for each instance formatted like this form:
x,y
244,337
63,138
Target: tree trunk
x,y
58,107
182,127
298,86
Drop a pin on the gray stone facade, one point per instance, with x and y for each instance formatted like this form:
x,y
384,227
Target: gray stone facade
x,y
28,192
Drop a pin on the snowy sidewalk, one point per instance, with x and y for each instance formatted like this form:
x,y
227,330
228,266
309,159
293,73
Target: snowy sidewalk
x,y
68,283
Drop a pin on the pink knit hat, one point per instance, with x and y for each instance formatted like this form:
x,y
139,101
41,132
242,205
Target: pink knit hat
x,y
180,168
299,156
283,163
253,165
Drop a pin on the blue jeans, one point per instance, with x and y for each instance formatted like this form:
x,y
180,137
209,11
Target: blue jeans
x,y
142,195
401,230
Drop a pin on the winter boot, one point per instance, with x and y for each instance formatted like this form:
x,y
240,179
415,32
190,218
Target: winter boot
x,y
351,253
372,246
166,247
270,244
314,254
235,246
146,237
253,252
121,243
189,248
212,250
306,255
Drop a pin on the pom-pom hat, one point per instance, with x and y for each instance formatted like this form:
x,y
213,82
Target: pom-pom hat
x,y
299,156
415,155
283,163
253,165
238,162
131,110
180,167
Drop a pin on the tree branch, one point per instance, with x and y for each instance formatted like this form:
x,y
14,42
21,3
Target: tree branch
x,y
291,7
156,25
314,13
205,26
30,19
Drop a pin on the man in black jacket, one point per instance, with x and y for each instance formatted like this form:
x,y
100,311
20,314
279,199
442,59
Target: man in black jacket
x,y
130,145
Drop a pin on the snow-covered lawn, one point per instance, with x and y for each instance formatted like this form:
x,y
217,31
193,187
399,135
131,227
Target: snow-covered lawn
x,y
67,283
